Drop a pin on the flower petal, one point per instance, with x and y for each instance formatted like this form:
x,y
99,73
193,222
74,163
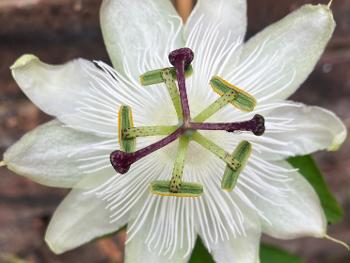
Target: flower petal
x,y
296,129
80,218
228,16
50,155
133,28
87,97
277,60
292,210
215,35
242,249
137,250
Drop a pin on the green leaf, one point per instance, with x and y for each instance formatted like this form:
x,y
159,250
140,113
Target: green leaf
x,y
271,254
308,168
200,254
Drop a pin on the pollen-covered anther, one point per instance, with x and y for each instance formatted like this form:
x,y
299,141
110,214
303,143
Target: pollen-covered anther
x,y
240,155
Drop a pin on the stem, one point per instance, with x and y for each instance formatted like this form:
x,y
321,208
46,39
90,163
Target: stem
x,y
176,179
121,161
180,72
215,107
215,149
148,131
173,92
255,125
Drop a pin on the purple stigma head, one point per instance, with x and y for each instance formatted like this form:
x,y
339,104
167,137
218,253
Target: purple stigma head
x,y
259,128
182,54
121,161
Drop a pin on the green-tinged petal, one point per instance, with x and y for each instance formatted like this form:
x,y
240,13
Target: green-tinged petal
x,y
308,168
49,155
278,59
293,212
296,129
80,218
139,30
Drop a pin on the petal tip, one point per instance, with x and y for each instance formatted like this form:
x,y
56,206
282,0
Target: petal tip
x,y
23,61
338,140
53,246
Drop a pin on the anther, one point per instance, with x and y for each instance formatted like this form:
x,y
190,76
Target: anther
x,y
240,155
156,76
125,121
243,100
176,187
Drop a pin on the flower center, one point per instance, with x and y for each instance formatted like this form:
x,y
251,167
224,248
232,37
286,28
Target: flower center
x,y
187,128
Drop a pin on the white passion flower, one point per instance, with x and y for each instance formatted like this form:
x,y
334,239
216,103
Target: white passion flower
x,y
202,156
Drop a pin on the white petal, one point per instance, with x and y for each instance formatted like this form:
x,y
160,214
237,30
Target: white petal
x,y
242,249
87,97
80,218
215,35
229,16
295,213
277,60
50,155
137,250
306,129
132,28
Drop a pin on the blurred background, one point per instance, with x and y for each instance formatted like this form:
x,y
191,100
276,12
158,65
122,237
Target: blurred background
x,y
60,30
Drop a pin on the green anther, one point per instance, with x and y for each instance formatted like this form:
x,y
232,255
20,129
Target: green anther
x,y
241,154
231,161
169,81
156,77
215,106
125,121
175,187
187,189
144,131
243,100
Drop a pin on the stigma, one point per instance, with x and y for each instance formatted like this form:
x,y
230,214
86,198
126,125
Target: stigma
x,y
188,128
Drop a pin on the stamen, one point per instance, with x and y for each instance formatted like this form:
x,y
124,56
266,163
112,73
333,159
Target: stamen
x,y
255,125
148,131
125,121
241,154
217,150
175,187
243,100
228,94
215,106
169,81
121,161
180,58
168,76
186,130
156,76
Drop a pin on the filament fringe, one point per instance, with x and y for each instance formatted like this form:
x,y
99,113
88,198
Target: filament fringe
x,y
337,241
